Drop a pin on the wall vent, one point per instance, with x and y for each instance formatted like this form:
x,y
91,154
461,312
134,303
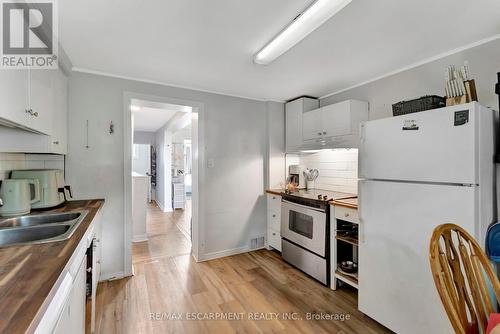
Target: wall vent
x,y
257,243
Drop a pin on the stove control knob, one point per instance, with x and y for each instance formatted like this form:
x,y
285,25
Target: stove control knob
x,y
325,197
320,196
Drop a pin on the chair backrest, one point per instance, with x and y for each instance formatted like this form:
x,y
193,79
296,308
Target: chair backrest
x,y
461,273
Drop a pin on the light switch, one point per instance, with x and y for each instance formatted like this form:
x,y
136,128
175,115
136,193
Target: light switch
x,y
210,163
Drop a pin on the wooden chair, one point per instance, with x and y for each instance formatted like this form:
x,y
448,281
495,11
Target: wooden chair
x,y
460,269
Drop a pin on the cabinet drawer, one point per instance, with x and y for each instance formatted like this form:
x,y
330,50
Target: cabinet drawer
x,y
274,220
179,191
273,203
347,214
274,239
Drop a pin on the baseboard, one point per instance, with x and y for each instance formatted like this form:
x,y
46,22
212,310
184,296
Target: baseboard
x,y
163,208
112,276
140,238
228,252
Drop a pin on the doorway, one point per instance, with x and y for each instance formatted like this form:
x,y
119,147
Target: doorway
x,y
174,169
182,177
142,164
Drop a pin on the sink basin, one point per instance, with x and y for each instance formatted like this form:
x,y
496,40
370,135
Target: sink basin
x,y
34,220
24,235
42,228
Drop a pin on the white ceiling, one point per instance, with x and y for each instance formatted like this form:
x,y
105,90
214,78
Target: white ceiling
x,y
151,119
209,45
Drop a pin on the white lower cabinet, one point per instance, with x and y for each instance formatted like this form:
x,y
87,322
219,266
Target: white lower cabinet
x,y
341,247
66,311
72,318
178,196
274,221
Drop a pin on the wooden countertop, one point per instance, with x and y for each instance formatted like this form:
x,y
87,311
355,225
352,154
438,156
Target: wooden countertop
x,y
28,273
278,192
347,202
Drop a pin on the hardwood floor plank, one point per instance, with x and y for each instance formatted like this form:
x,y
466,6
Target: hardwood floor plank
x,y
169,291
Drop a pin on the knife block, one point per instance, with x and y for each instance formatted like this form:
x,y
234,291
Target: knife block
x,y
470,95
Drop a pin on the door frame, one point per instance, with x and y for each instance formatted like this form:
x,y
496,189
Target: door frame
x,y
198,161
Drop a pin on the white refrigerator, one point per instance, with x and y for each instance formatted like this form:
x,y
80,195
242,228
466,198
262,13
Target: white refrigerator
x,y
418,171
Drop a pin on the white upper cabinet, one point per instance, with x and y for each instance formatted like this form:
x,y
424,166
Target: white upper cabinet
x,y
311,124
336,119
59,134
293,118
334,126
40,100
14,96
37,101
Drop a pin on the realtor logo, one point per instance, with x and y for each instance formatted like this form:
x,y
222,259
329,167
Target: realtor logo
x,y
28,34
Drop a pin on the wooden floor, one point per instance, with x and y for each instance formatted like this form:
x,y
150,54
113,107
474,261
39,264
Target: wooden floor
x,y
170,293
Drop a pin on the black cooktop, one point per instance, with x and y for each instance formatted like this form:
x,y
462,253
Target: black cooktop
x,y
319,195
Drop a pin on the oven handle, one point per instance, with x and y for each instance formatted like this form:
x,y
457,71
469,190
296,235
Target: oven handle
x,y
304,206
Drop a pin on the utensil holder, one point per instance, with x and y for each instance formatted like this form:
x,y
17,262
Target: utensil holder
x,y
470,95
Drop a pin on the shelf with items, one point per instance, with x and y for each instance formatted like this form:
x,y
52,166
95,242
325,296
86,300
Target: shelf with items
x,y
344,248
351,279
350,240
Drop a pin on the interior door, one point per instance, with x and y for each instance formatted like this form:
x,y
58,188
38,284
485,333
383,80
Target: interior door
x,y
432,146
311,124
396,287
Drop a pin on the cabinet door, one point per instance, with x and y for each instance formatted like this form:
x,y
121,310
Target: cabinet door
x,y
72,318
311,124
41,99
63,325
77,301
58,142
336,119
274,239
14,96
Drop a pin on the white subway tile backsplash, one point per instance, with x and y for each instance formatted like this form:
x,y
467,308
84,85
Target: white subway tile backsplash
x,y
11,161
338,169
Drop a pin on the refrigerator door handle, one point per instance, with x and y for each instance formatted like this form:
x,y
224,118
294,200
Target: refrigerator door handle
x,y
361,226
362,133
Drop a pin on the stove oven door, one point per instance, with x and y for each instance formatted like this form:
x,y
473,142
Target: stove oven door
x,y
304,226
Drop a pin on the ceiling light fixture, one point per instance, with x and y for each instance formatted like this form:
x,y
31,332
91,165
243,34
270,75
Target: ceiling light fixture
x,y
305,23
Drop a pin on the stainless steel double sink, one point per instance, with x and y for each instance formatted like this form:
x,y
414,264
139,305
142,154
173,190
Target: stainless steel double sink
x,y
39,228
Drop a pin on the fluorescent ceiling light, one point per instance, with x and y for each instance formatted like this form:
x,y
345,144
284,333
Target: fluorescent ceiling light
x,y
305,23
134,108
311,151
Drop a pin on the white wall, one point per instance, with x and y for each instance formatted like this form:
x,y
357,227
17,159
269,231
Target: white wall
x,y
140,189
232,202
144,137
428,79
141,162
276,173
